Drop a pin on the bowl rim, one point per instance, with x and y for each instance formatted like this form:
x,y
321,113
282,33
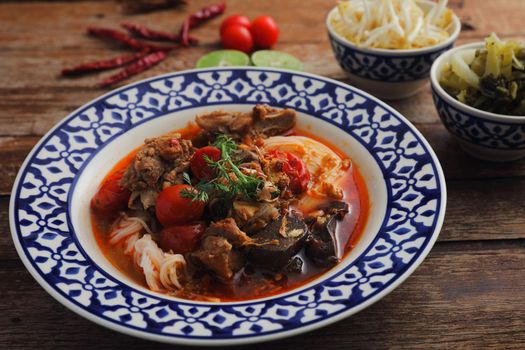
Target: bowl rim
x,y
438,89
68,303
393,52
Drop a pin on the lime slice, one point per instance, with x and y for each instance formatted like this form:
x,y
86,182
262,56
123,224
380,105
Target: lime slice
x,y
223,58
276,59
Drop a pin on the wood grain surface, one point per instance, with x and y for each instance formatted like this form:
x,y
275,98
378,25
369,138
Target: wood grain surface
x,y
469,292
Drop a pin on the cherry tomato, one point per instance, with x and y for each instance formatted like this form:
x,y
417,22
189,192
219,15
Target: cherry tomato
x,y
111,197
264,31
199,167
296,170
182,239
172,208
243,21
237,37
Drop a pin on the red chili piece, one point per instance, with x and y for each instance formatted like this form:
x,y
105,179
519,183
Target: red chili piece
x,y
94,66
126,39
198,18
135,68
144,32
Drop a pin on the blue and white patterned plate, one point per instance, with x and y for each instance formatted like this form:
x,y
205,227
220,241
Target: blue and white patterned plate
x,y
49,210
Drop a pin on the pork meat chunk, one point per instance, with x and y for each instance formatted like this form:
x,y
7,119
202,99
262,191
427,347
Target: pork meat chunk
x,y
217,255
271,121
224,122
229,230
157,164
275,246
254,216
262,121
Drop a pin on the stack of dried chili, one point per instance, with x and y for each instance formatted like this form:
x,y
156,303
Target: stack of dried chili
x,y
147,54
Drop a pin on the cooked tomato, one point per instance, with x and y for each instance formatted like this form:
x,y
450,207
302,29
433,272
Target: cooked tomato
x,y
236,37
242,21
111,197
172,208
264,32
182,239
198,164
296,170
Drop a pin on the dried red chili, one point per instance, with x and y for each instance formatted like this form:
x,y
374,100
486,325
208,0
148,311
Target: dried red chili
x,y
126,39
149,54
144,32
198,18
135,68
94,66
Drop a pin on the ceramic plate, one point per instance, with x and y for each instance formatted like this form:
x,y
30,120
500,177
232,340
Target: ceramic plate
x,y
51,228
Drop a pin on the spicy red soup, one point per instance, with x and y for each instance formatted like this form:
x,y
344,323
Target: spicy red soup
x,y
222,211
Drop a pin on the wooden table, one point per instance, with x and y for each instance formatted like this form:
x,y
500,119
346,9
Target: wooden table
x,y
469,292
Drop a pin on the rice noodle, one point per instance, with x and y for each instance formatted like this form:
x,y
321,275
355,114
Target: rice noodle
x,y
392,24
161,270
125,229
129,246
149,257
141,222
168,271
325,166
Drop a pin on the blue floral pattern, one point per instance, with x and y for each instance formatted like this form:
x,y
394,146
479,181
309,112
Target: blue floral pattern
x,y
479,131
44,231
385,67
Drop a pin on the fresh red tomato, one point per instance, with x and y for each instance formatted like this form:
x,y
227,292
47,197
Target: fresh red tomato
x,y
199,167
111,197
182,239
264,31
172,208
237,37
296,170
242,21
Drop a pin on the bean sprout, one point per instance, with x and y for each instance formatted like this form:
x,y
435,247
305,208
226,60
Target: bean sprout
x,y
392,24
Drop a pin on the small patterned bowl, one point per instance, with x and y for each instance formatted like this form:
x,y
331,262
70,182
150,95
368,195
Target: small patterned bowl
x,y
388,74
482,134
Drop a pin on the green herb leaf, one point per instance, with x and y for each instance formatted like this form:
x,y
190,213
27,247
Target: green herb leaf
x,y
226,144
195,195
186,178
229,181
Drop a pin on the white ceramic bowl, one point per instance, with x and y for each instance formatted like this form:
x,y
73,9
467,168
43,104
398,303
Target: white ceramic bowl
x,y
51,226
482,134
388,74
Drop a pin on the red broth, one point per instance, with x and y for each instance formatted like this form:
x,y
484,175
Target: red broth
x,y
248,283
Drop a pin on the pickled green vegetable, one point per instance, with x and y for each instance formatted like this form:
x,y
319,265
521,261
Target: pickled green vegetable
x,y
491,79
